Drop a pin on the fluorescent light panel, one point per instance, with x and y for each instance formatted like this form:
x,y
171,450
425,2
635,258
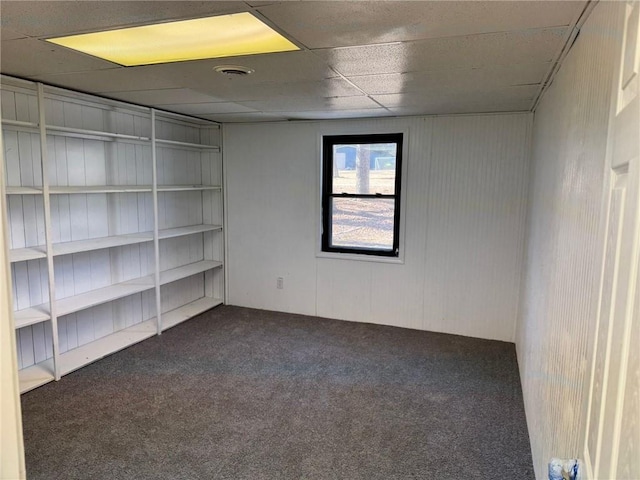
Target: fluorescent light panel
x,y
211,37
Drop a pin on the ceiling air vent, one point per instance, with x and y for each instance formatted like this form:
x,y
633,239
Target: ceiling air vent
x,y
233,70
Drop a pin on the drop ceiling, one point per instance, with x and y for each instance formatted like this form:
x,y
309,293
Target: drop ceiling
x,y
357,59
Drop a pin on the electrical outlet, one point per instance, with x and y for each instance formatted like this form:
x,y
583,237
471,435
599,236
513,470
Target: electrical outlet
x,y
280,283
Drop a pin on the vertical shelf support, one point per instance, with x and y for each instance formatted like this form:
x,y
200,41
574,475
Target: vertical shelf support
x,y
42,128
156,236
225,232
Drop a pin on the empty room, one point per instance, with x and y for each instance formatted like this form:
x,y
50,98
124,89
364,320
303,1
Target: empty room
x,y
320,240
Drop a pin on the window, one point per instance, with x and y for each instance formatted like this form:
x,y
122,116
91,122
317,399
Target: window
x,y
361,194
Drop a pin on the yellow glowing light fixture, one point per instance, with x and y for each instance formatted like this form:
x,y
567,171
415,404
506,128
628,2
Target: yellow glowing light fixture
x,y
211,37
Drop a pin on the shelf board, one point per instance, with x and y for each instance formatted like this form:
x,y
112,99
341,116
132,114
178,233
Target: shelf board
x,y
36,375
100,189
190,230
23,190
179,315
67,305
100,348
185,271
29,253
187,144
66,248
30,316
181,188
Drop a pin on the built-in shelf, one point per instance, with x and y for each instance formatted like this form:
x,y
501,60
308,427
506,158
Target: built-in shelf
x,y
89,299
64,306
30,316
65,190
36,375
185,271
190,230
90,244
67,248
100,189
23,190
100,348
199,146
120,170
181,188
28,253
185,312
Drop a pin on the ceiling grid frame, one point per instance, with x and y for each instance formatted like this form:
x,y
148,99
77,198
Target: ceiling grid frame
x,y
434,58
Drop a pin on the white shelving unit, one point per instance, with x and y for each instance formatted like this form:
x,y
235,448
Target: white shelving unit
x,y
114,220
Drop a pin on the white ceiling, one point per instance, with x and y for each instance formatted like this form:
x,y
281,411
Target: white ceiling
x,y
358,59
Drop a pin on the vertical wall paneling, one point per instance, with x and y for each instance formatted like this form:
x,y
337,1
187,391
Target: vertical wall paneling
x,y
463,237
559,300
96,195
476,209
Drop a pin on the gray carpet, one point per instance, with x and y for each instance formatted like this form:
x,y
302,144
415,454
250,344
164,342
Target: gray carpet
x,y
238,393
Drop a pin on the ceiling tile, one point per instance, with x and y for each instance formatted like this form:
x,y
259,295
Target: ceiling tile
x,y
244,117
335,87
207,108
461,80
334,114
533,46
8,34
119,79
278,67
450,105
288,103
129,84
48,18
261,4
320,24
426,99
243,89
163,96
28,57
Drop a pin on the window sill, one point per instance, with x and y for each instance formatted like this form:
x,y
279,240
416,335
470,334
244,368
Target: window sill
x,y
360,258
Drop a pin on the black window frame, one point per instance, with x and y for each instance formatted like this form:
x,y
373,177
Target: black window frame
x,y
328,142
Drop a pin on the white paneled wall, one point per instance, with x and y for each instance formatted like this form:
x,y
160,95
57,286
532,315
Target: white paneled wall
x,y
34,344
463,237
563,261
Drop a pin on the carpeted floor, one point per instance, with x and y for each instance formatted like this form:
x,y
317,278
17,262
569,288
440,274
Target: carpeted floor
x,y
238,393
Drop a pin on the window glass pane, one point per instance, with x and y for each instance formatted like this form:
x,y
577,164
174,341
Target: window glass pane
x,y
362,223
364,168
